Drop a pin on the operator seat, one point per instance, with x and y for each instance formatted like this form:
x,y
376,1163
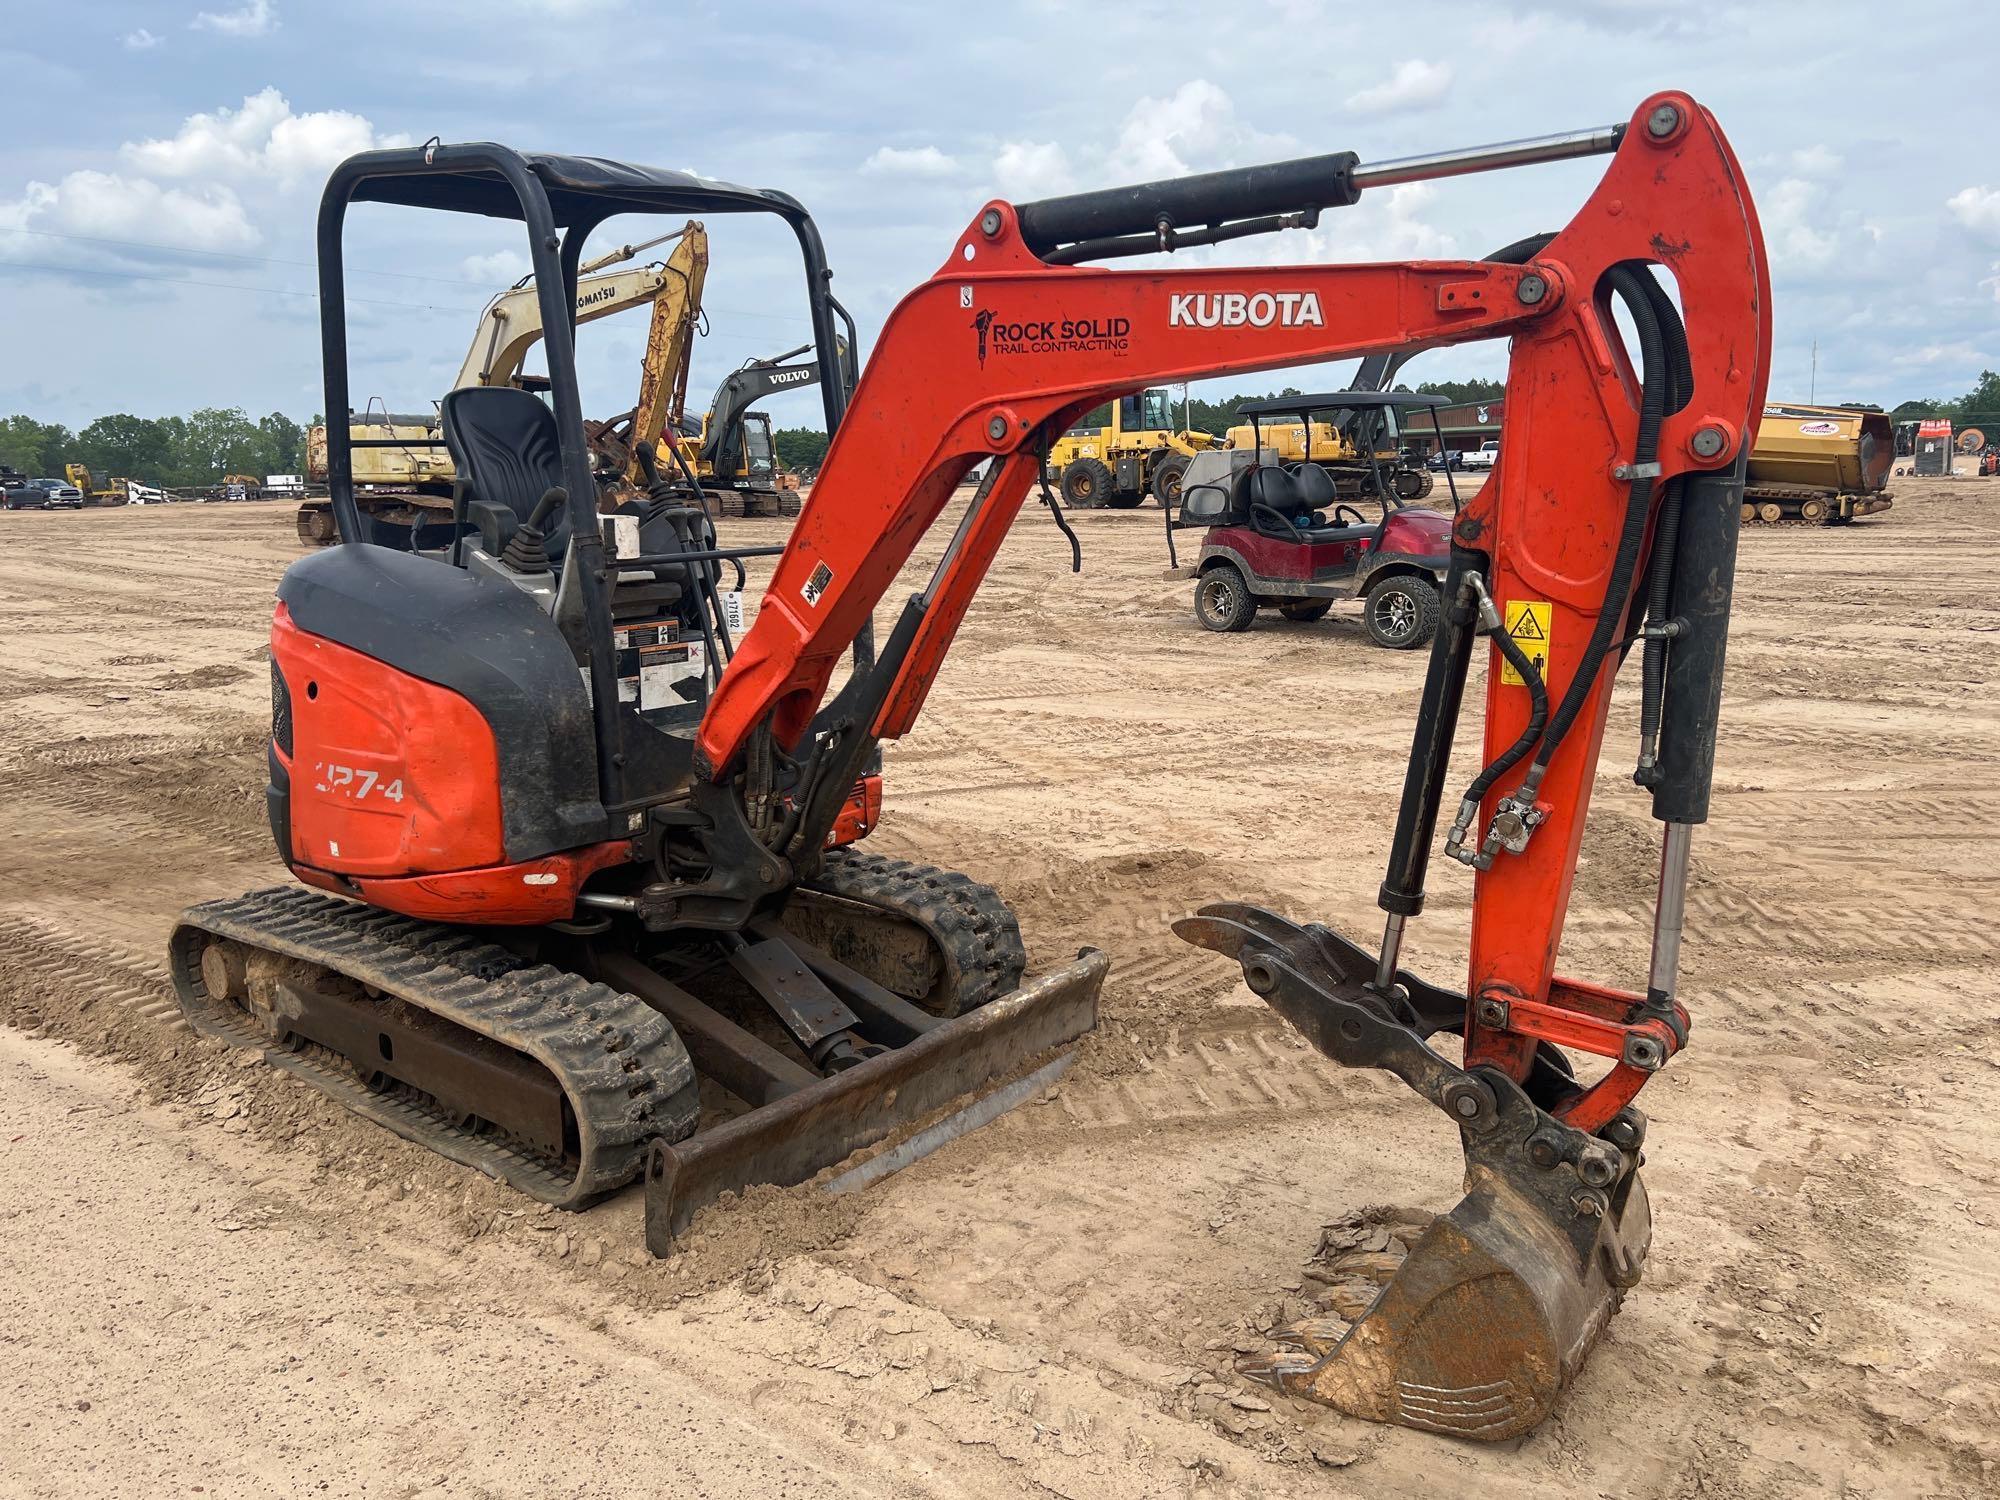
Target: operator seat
x,y
503,443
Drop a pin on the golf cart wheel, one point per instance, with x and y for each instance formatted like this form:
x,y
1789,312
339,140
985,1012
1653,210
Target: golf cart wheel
x,y
1167,475
1402,612
1223,601
1413,484
1305,611
1086,484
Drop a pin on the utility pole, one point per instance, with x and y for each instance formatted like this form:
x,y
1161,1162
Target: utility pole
x,y
1812,386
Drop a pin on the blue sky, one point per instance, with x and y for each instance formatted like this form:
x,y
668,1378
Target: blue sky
x,y
157,192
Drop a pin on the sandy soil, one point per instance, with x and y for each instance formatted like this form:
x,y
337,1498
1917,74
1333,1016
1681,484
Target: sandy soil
x,y
213,1282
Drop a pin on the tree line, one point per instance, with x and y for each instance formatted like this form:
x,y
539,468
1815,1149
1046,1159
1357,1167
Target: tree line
x,y
195,450
205,445
1978,407
805,447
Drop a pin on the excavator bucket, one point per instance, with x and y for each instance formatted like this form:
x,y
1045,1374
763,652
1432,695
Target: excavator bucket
x,y
1497,1303
1488,1318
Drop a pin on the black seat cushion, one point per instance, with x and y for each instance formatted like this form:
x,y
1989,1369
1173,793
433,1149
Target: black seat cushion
x,y
504,445
1315,486
1262,484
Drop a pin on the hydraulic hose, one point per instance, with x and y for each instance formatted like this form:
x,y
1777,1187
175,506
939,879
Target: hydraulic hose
x,y
1630,284
1643,298
1666,542
1538,710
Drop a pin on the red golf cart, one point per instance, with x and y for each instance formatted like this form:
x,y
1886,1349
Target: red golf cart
x,y
1299,536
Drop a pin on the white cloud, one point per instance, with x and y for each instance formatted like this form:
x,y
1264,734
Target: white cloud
x,y
258,18
1978,209
1816,161
106,205
911,161
262,139
1794,240
1193,129
1382,226
1415,84
142,40
1026,170
501,268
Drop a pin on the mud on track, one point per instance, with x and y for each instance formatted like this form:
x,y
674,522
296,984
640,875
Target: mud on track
x,y
208,1276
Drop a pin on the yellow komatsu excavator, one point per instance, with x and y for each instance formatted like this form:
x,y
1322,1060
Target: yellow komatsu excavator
x,y
401,470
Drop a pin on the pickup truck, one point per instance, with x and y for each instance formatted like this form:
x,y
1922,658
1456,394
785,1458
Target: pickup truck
x,y
1485,456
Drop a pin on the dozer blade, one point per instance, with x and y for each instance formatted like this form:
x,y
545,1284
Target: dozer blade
x,y
793,1138
1498,1302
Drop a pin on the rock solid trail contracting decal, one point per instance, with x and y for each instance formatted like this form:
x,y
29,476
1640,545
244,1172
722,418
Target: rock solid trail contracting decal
x,y
999,335
1528,623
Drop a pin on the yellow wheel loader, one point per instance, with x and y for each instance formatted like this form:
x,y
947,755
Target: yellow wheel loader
x,y
1140,453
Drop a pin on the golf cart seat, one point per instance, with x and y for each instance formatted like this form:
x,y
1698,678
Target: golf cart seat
x,y
504,446
1315,486
1265,486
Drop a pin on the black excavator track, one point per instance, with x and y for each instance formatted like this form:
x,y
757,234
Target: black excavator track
x,y
866,910
624,1076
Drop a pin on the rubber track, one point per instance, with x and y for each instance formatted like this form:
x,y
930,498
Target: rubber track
x,y
974,930
621,1065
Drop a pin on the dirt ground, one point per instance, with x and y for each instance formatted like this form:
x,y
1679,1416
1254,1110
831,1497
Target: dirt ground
x,y
213,1282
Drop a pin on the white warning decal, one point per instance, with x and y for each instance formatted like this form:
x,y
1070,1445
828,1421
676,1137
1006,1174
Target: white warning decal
x,y
816,585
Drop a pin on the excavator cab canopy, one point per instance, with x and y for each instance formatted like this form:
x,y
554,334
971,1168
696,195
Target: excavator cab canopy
x,y
560,200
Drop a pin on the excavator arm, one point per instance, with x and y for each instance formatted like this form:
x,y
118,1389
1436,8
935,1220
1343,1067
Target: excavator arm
x,y
1610,520
512,322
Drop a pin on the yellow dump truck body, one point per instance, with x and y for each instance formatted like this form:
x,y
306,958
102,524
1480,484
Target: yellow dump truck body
x,y
1819,464
1823,447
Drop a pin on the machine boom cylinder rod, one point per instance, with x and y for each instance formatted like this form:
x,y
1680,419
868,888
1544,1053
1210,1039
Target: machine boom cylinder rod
x,y
1565,146
1670,912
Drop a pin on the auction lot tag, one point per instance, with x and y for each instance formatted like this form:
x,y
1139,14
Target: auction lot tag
x,y
1528,623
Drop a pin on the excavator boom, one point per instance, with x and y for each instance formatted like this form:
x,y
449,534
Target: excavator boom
x,y
1611,518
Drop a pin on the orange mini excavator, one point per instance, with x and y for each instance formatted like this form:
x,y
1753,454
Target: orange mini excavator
x,y
582,893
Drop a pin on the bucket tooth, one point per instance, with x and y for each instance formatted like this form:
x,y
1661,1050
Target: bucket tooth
x,y
1278,1368
1315,1335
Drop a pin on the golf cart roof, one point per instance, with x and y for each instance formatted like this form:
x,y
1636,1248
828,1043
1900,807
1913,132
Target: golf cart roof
x,y
1335,400
581,189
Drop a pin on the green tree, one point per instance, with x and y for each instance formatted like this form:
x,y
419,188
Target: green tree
x,y
800,447
1464,390
282,449
1980,406
214,441
135,447
38,448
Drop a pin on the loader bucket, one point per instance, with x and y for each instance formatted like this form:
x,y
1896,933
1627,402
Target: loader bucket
x,y
1488,1318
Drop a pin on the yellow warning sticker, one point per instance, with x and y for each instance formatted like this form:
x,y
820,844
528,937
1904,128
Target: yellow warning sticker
x,y
1527,622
